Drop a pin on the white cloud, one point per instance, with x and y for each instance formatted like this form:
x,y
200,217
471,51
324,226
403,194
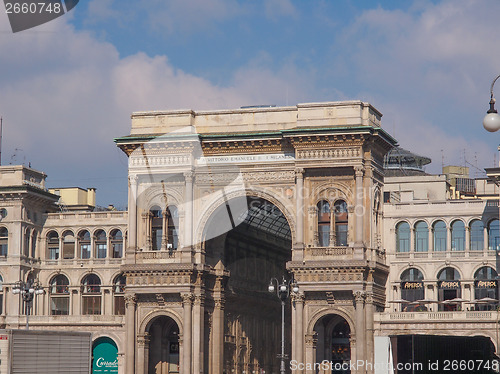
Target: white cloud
x,y
431,68
66,95
275,9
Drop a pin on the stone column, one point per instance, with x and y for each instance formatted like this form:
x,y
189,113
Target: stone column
x,y
413,245
299,188
299,328
187,303
310,340
198,334
218,336
164,235
430,238
370,355
359,208
448,238
130,305
132,215
359,297
142,353
188,215
467,238
146,221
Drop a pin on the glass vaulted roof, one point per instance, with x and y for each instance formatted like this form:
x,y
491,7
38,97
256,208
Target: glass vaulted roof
x,y
267,217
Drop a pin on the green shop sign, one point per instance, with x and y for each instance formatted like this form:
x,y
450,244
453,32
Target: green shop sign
x,y
104,356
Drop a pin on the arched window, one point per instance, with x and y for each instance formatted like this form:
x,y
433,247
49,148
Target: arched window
x,y
84,244
33,244
91,295
341,221
457,236
156,219
117,243
493,235
412,288
101,245
476,235
52,245
172,225
403,237
421,237
68,245
26,247
323,223
449,288
439,231
59,295
485,287
4,241
118,292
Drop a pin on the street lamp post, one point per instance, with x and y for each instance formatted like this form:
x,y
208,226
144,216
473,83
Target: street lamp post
x,y
491,121
283,292
28,290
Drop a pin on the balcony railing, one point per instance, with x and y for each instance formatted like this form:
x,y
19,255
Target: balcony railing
x,y
80,320
156,255
487,316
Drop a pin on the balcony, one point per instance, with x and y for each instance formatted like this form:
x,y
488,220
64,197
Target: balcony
x,y
69,320
156,255
341,253
462,316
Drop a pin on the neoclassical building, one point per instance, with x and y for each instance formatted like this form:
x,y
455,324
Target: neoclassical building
x,y
221,202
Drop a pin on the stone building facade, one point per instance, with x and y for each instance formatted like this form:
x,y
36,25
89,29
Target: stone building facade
x,y
221,202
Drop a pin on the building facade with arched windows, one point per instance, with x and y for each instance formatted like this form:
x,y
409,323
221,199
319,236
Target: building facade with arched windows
x,y
441,245
219,203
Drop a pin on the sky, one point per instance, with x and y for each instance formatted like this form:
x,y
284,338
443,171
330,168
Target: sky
x,y
68,87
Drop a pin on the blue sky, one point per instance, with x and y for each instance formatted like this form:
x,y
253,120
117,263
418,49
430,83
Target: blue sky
x,y
68,87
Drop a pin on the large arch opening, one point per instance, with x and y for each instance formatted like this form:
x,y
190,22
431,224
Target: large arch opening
x,y
251,239
333,343
163,354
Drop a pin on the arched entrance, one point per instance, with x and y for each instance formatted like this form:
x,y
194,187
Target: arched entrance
x,y
333,335
104,356
253,249
163,356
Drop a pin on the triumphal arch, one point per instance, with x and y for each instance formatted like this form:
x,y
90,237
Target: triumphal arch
x,y
222,201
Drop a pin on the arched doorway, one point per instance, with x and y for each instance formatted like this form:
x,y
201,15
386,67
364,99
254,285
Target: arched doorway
x,y
163,356
333,335
250,239
104,356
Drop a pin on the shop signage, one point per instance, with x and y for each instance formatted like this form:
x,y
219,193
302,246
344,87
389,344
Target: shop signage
x,y
412,285
485,284
105,357
453,284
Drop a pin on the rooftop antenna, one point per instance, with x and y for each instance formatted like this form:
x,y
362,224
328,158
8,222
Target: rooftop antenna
x,y
442,160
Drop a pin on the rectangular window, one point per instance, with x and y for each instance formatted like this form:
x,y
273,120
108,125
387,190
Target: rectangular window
x,y
341,234
3,247
91,305
117,250
68,250
324,235
101,250
59,306
119,305
54,253
85,251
